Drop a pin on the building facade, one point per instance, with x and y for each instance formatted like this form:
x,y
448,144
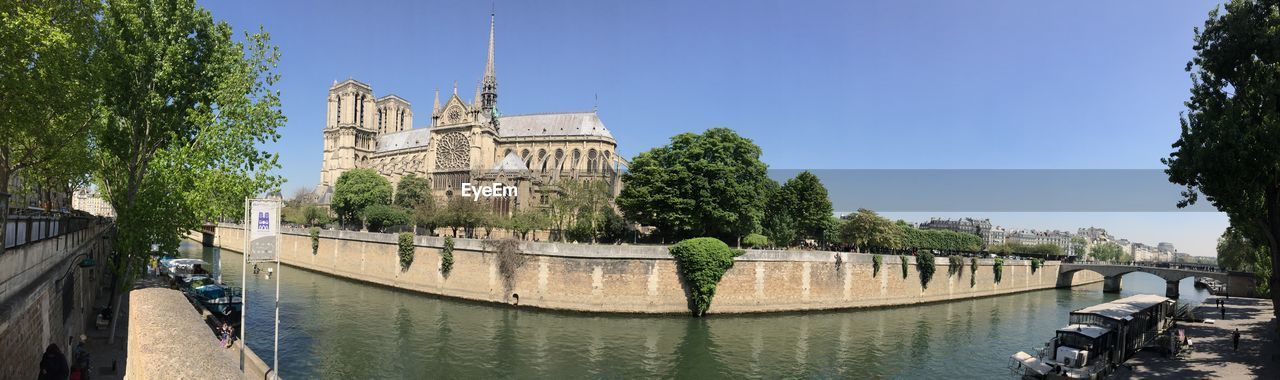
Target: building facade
x,y
464,142
991,235
91,201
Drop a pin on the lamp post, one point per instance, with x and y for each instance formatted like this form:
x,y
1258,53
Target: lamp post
x,y
88,262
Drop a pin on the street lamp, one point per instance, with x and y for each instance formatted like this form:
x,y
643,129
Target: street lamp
x,y
88,262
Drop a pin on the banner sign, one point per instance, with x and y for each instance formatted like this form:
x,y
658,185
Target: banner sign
x,y
262,224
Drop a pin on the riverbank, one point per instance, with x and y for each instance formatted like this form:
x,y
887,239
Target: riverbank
x,y
1214,356
644,279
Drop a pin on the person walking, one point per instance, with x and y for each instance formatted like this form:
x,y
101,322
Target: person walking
x,y
1223,311
1235,340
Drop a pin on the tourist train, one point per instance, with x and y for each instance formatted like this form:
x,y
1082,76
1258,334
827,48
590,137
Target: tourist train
x,y
1098,338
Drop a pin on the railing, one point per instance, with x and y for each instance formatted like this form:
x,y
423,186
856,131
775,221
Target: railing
x,y
20,230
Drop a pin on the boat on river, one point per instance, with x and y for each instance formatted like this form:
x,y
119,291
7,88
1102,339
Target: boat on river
x,y
191,277
1098,338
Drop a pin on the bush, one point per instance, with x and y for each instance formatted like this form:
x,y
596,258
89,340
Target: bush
x,y
703,262
997,268
315,240
406,250
924,265
973,272
1035,264
755,241
954,265
379,217
942,240
904,265
875,265
446,256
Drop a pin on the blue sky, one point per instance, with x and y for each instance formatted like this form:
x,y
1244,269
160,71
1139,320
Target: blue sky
x,y
818,85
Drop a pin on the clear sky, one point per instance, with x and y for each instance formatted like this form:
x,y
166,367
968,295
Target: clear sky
x,y
818,85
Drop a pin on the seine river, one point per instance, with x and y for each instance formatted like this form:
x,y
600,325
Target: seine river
x,y
335,328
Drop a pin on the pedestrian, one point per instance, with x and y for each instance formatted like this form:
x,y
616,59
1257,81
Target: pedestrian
x,y
1235,340
53,365
1223,311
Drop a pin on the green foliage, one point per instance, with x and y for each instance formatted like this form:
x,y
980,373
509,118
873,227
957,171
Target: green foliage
x,y
998,268
446,256
925,265
426,215
580,208
507,252
865,229
876,261
523,222
355,191
1110,252
904,265
315,240
712,184
973,272
411,191
48,92
777,223
702,262
1044,249
406,250
1238,252
314,215
380,216
755,241
804,200
1227,147
1035,264
463,213
954,265
185,107
944,240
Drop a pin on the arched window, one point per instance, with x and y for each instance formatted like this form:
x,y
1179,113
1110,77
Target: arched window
x,y
593,162
559,160
577,159
542,159
528,160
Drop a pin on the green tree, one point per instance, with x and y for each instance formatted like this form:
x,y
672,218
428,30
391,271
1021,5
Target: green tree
x,y
866,229
777,223
1227,147
184,108
50,89
1110,252
463,213
411,191
710,184
1238,252
356,190
380,216
426,214
314,215
808,206
578,206
523,222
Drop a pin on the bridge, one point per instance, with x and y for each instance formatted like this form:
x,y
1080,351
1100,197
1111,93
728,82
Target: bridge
x,y
1238,283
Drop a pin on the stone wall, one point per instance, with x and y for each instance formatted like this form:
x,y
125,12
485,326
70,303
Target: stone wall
x,y
36,309
169,340
643,279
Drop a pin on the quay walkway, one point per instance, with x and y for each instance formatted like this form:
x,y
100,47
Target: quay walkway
x,y
1212,355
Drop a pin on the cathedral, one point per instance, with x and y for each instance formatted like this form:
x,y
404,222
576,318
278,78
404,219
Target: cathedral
x,y
465,142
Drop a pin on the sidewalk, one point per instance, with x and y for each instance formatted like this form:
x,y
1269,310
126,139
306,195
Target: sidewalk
x,y
1213,356
109,359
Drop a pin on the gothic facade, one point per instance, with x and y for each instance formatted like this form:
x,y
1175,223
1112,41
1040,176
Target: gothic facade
x,y
464,142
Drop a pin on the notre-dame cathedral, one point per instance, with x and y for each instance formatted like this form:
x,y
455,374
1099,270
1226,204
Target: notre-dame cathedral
x,y
464,142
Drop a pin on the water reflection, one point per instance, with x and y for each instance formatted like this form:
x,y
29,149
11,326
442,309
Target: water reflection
x,y
334,328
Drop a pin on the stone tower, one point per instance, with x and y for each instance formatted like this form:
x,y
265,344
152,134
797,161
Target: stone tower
x,y
349,134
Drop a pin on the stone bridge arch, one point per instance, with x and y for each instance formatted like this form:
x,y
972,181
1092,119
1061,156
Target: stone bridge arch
x,y
1112,275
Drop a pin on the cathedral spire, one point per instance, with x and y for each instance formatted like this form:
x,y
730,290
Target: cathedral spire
x,y
488,93
435,109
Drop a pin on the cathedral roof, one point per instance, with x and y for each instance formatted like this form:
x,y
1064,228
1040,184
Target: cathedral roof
x,y
413,138
553,124
510,164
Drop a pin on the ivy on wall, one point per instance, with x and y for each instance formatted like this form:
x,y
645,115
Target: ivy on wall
x,y
954,265
315,240
406,250
1035,264
924,264
973,272
875,265
904,265
446,256
997,268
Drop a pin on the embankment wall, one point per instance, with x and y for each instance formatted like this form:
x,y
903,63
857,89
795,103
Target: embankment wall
x,y
644,279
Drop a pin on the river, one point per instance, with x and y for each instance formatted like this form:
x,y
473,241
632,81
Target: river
x,y
336,328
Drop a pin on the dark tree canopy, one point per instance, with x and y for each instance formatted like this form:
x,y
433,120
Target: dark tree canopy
x,y
710,184
356,190
1227,149
411,191
806,205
